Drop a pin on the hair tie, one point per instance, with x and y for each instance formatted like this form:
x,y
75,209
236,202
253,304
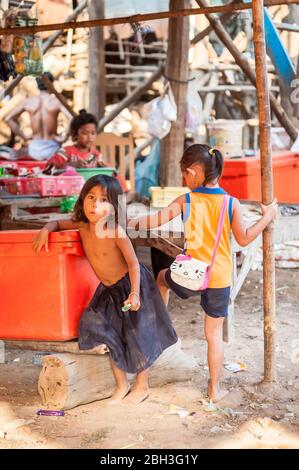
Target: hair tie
x,y
211,152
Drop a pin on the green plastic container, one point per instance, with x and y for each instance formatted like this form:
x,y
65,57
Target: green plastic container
x,y
89,172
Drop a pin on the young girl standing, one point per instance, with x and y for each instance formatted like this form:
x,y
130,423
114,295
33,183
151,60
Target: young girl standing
x,y
202,168
136,337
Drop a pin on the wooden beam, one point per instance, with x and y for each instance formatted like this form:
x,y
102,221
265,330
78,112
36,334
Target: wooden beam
x,y
287,27
96,62
213,88
46,46
177,72
267,189
59,96
245,66
130,98
139,17
202,34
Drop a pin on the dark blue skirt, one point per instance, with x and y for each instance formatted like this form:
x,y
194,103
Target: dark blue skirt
x,y
135,339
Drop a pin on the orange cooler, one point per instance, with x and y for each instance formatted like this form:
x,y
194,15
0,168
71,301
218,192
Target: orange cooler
x,y
242,177
43,295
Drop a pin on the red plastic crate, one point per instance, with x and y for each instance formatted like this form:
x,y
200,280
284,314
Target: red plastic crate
x,y
43,295
12,185
41,186
47,186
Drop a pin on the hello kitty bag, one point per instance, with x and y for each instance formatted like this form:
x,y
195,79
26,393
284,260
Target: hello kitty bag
x,y
192,273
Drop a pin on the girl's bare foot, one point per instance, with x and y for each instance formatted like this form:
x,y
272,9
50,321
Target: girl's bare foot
x,y
216,393
119,395
136,396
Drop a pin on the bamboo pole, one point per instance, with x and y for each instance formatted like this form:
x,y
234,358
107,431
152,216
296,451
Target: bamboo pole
x,y
46,46
139,17
267,189
245,66
130,99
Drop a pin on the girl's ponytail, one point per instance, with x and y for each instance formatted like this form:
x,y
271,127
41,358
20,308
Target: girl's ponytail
x,y
210,158
219,162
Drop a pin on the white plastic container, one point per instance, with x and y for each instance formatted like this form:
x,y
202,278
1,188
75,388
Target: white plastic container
x,y
227,136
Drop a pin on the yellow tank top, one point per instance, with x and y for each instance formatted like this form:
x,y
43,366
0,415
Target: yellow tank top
x,y
200,216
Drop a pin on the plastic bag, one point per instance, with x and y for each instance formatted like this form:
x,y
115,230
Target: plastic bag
x,y
161,111
194,115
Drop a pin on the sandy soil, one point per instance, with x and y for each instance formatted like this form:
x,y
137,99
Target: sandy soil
x,y
250,417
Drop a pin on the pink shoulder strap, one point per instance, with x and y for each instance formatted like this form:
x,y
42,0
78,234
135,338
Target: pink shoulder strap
x,y
220,226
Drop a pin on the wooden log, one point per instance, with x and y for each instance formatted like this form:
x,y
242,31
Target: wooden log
x,y
69,380
267,190
176,71
245,66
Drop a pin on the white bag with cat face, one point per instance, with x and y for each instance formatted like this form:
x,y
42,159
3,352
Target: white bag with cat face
x,y
189,272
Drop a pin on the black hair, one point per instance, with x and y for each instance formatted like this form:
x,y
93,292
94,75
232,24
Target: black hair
x,y
210,158
80,120
113,189
41,84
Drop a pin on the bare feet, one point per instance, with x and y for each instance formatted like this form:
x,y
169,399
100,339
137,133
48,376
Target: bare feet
x,y
137,395
100,349
119,395
216,393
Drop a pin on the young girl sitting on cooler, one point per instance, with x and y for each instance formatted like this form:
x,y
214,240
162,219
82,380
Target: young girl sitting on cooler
x,y
136,337
83,154
209,216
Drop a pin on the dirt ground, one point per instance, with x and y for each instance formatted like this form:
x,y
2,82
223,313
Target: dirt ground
x,y
249,417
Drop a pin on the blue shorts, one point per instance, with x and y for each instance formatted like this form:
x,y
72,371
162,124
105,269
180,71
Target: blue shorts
x,y
214,301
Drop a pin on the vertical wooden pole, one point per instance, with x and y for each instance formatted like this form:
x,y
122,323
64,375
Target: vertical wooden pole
x,y
177,70
96,61
267,189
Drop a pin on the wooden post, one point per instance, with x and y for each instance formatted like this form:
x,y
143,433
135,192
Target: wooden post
x,y
267,189
96,62
245,66
176,71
